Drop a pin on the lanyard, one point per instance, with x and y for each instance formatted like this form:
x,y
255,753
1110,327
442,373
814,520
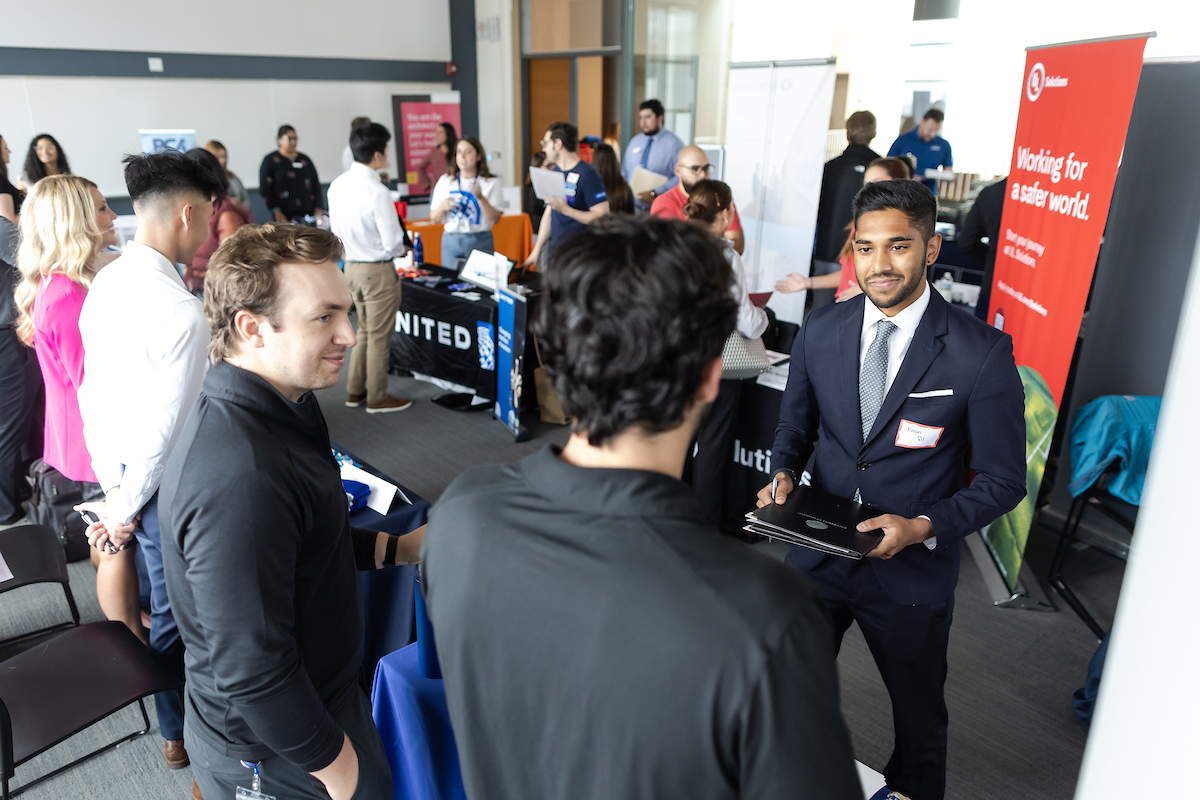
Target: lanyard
x,y
256,781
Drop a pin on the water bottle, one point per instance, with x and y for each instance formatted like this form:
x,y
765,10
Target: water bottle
x,y
418,250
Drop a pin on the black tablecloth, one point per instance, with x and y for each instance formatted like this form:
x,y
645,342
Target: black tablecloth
x,y
444,336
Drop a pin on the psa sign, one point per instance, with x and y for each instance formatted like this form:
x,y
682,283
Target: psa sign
x,y
155,141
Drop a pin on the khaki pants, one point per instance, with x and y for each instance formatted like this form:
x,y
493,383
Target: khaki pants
x,y
375,289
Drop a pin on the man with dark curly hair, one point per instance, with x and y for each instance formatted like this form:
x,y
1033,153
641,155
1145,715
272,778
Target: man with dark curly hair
x,y
598,636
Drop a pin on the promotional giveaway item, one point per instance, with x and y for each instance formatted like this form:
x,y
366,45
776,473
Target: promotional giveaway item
x,y
1075,107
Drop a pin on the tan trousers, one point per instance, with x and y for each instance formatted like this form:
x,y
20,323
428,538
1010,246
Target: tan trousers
x,y
375,289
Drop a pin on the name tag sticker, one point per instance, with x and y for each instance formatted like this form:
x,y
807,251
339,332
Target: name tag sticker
x,y
298,164
914,436
572,177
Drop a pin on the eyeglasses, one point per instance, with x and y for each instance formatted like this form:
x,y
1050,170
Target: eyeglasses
x,y
547,142
290,138
696,170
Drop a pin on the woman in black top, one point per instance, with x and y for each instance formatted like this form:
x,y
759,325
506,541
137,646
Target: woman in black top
x,y
10,196
288,181
620,196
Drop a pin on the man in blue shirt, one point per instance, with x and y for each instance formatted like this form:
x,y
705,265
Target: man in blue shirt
x,y
586,200
923,143
655,149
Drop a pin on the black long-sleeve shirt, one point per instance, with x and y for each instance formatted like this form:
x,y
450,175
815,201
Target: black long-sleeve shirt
x,y
600,639
260,563
290,185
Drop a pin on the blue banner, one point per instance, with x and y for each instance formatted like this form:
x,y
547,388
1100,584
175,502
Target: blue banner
x,y
510,357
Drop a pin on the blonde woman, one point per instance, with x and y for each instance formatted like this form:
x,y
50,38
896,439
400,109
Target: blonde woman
x,y
65,222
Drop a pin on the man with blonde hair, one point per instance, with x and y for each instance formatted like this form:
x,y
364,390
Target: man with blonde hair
x,y
259,554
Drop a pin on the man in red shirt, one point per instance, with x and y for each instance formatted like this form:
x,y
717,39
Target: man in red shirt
x,y
692,166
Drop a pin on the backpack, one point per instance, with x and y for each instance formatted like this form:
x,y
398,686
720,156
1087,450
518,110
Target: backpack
x,y
52,505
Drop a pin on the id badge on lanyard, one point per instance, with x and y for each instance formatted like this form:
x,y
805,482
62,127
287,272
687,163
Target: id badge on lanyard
x,y
254,792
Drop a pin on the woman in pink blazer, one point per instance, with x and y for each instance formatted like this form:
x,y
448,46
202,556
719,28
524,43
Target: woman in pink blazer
x,y
65,223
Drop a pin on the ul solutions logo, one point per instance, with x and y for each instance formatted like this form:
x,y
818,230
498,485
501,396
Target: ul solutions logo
x,y
1038,81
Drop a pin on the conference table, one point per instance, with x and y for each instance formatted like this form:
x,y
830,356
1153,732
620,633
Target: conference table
x,y
446,335
512,235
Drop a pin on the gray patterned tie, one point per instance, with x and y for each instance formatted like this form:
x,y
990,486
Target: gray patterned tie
x,y
873,378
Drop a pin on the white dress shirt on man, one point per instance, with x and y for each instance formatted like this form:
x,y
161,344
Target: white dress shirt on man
x,y
906,327
363,215
145,343
906,321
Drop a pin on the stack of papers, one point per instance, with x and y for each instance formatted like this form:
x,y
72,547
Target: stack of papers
x,y
548,183
643,180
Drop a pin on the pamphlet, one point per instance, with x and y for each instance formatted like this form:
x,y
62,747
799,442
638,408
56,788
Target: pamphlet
x,y
644,180
548,183
382,492
5,572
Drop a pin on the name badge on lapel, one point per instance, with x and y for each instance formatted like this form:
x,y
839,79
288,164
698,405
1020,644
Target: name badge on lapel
x,y
915,436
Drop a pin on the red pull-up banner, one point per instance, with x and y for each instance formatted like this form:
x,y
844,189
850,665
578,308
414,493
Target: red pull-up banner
x,y
1075,108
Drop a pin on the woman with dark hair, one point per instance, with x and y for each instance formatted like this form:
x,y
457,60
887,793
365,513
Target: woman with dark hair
x,y
710,206
845,281
44,157
228,216
435,163
467,199
608,164
10,196
533,205
288,182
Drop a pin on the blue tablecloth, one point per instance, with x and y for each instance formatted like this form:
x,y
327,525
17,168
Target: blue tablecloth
x,y
387,594
411,715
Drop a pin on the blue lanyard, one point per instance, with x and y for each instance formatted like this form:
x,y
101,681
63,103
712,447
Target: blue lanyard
x,y
256,781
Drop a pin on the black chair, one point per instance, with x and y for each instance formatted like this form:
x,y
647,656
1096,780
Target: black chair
x,y
34,555
57,689
1095,497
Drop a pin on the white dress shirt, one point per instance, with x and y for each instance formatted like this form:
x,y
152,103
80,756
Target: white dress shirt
x,y
906,323
752,321
145,343
363,215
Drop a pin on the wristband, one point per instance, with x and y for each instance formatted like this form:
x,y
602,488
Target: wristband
x,y
790,474
389,553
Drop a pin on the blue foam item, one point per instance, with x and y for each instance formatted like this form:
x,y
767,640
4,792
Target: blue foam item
x,y
356,494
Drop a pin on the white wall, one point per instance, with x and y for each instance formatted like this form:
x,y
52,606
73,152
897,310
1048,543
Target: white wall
x,y
413,30
1144,735
497,85
96,120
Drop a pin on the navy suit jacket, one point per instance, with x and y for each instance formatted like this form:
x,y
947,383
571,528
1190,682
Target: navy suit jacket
x,y
984,430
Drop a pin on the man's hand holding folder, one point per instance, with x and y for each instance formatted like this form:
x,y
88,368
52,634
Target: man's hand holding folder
x,y
898,532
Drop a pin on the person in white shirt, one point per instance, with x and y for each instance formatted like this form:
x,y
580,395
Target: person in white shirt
x,y
468,199
710,206
145,344
363,216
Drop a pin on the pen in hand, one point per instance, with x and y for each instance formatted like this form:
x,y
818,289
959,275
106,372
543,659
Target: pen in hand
x,y
774,486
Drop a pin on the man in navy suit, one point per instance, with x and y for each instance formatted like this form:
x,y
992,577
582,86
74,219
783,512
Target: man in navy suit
x,y
903,398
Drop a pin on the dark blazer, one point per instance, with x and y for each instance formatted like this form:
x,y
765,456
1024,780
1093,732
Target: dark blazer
x,y
984,430
840,181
